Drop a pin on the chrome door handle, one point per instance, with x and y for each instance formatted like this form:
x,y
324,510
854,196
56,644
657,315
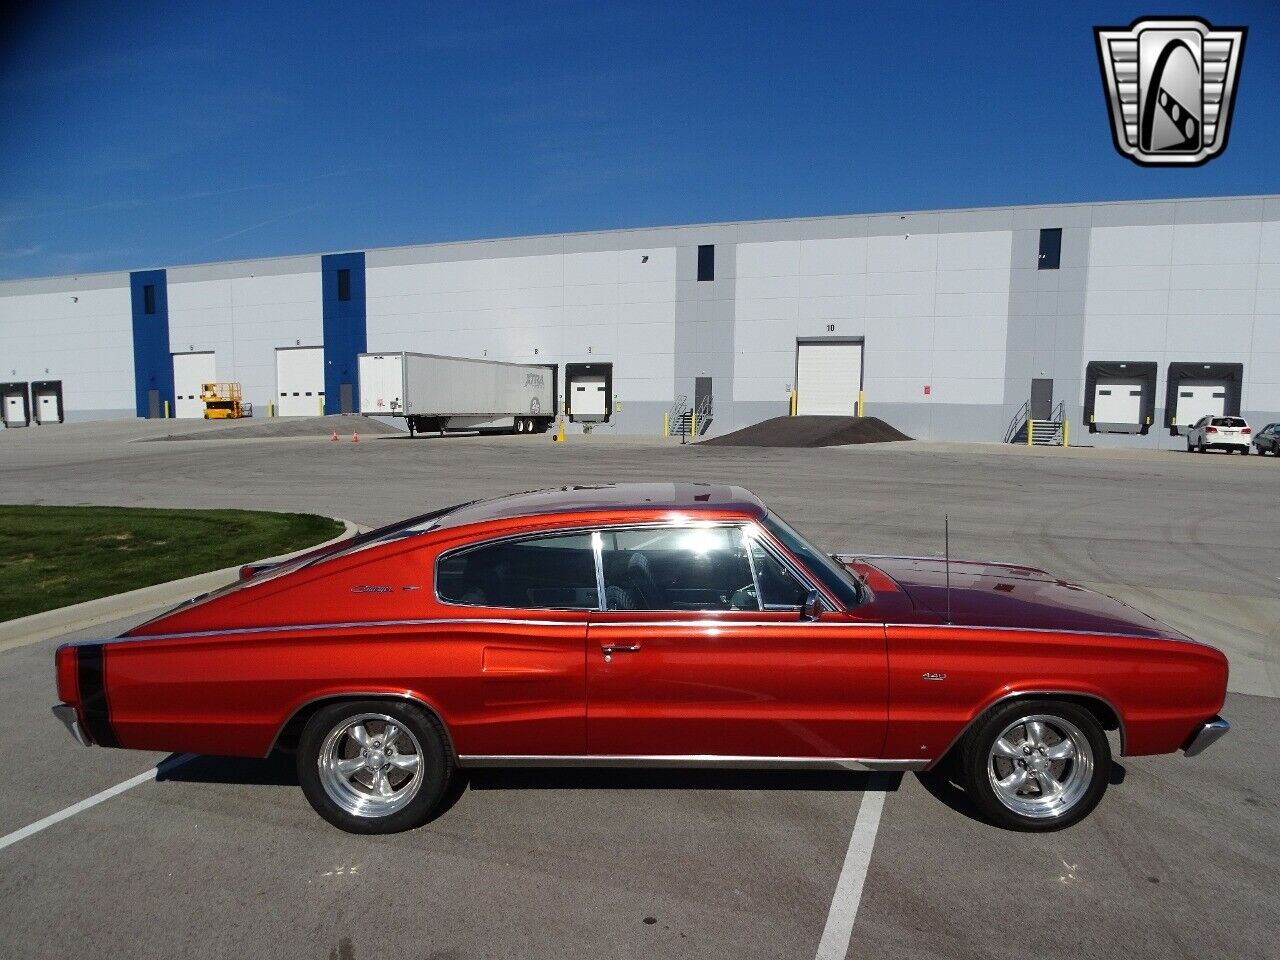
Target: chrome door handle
x,y
610,649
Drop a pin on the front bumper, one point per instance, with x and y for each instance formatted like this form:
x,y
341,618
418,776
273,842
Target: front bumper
x,y
1209,733
67,714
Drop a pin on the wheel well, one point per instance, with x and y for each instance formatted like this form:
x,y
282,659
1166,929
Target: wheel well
x,y
286,740
1102,711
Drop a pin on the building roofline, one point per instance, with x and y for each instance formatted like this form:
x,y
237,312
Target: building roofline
x,y
657,228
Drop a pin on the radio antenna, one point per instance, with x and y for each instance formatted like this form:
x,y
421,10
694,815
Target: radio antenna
x,y
946,554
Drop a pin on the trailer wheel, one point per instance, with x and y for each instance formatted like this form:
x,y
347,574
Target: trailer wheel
x,y
518,427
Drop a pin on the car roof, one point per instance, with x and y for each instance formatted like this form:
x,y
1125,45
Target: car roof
x,y
610,498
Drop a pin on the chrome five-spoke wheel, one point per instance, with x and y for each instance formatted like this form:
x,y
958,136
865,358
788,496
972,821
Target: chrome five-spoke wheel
x,y
1040,766
1037,764
373,766
370,766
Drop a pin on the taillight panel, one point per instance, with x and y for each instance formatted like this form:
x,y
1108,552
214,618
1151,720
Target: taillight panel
x,y
65,668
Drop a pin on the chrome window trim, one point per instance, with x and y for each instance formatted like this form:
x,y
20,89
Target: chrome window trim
x,y
765,539
688,760
524,535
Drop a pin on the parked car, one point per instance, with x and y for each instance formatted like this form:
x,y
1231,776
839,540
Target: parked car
x,y
1231,434
646,625
1267,440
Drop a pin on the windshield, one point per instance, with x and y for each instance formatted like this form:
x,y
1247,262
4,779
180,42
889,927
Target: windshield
x,y
842,585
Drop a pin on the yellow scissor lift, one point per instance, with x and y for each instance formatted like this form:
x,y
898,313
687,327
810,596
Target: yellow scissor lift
x,y
222,401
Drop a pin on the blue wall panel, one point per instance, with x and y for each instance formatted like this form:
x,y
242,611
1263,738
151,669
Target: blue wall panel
x,y
345,330
152,362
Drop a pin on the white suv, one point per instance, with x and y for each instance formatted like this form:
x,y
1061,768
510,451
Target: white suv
x,y
1220,433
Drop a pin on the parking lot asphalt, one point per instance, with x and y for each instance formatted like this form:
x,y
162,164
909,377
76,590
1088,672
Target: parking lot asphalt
x,y
224,858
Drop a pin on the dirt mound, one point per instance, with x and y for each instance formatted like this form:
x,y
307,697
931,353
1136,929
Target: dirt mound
x,y
810,432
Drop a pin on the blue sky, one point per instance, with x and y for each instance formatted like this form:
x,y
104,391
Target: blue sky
x,y
154,134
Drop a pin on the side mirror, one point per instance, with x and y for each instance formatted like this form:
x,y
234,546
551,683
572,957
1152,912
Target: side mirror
x,y
812,606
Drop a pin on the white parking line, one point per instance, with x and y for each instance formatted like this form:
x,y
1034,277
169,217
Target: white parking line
x,y
9,839
844,905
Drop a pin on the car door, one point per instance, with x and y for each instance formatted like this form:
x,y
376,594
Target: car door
x,y
517,618
693,656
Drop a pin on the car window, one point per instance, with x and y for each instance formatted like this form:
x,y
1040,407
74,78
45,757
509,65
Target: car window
x,y
1228,422
817,563
544,572
777,585
677,568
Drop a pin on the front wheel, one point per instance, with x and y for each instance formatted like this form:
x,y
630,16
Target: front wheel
x,y
1037,765
374,766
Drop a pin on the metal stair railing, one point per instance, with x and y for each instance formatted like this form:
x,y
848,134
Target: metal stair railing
x,y
1018,422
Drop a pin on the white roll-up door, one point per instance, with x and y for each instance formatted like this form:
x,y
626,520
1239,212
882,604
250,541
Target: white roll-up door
x,y
1196,400
828,379
1117,402
191,371
299,381
587,398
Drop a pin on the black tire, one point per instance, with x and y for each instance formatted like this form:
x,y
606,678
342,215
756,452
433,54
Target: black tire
x,y
1085,777
1244,451
1200,447
435,759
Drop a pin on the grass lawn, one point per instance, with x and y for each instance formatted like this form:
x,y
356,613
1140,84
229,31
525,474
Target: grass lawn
x,y
54,556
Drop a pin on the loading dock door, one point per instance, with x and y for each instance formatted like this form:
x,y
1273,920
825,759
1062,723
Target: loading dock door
x,y
828,378
1195,400
299,381
1117,403
588,399
15,410
191,371
47,407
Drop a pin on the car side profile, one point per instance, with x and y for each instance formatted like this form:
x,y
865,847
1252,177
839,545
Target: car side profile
x,y
1231,434
1267,440
646,625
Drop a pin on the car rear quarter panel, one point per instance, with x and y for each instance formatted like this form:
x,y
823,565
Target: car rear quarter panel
x,y
1161,689
499,688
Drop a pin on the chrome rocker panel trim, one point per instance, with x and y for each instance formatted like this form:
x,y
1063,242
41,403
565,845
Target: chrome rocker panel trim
x,y
700,760
67,714
1210,732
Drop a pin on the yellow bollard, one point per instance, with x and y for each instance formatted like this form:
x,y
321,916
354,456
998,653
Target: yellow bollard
x,y
560,432
1031,425
693,424
271,408
792,410
166,409
1066,433
666,424
321,399
861,399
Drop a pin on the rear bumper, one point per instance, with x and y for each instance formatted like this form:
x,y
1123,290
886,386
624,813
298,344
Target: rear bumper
x,y
67,714
1209,733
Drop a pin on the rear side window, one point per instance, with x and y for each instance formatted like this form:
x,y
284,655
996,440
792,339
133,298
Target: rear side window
x,y
549,573
678,568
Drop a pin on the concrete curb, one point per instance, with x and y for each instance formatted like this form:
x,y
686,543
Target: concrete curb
x,y
91,613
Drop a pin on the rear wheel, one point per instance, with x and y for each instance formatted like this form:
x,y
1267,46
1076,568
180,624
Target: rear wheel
x,y
374,766
1244,451
1200,447
1036,765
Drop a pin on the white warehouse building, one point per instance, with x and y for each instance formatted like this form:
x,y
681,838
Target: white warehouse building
x,y
1125,321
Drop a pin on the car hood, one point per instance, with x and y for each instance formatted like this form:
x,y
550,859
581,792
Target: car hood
x,y
1003,595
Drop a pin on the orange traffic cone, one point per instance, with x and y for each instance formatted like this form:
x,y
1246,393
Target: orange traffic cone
x,y
335,435
355,438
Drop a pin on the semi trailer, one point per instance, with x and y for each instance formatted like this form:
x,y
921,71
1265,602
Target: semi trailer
x,y
436,393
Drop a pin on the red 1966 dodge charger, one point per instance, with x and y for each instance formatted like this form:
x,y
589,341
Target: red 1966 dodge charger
x,y
645,624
